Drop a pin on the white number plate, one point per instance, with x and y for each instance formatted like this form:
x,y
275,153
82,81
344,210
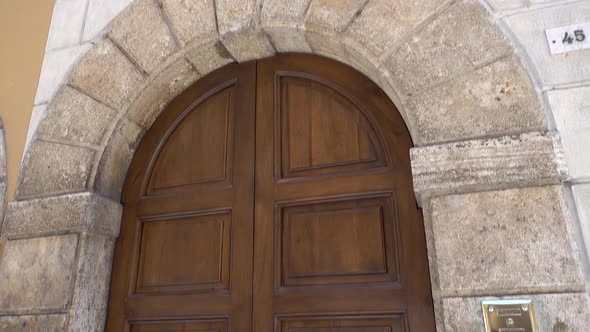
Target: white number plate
x,y
569,38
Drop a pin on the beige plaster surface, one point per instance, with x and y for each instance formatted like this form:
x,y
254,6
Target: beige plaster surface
x,y
23,33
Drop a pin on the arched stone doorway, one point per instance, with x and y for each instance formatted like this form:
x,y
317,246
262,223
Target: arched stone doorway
x,y
468,103
273,195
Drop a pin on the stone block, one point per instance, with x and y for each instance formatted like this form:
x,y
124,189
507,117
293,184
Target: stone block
x,y
191,19
581,193
569,312
166,85
382,23
439,51
248,44
498,99
84,212
499,242
332,15
76,118
209,57
116,158
528,159
284,12
56,64
283,22
529,28
99,14
67,22
241,33
52,168
91,289
37,274
233,16
104,73
49,323
570,111
141,31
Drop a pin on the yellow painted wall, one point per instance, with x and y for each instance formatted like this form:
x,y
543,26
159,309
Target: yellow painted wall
x,y
24,25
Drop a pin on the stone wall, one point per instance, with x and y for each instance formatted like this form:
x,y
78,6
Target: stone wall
x,y
484,101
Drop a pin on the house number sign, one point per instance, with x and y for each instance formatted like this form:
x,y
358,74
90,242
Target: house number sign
x,y
569,38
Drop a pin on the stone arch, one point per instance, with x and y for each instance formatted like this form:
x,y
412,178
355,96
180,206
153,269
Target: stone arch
x,y
467,101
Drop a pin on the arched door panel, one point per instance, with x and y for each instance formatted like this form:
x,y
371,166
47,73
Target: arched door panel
x,y
273,196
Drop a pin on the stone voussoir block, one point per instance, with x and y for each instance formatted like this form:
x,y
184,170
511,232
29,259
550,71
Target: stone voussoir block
x,y
382,23
142,32
438,53
116,158
76,118
566,312
106,74
191,19
283,22
499,242
37,274
240,30
83,212
497,99
484,164
162,88
209,56
54,168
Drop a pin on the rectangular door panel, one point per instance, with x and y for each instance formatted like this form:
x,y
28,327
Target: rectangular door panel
x,y
341,323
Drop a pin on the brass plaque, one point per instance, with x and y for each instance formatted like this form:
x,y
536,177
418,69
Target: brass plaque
x,y
509,316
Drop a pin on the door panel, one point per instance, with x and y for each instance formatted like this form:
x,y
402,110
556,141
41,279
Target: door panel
x,y
273,196
337,228
185,249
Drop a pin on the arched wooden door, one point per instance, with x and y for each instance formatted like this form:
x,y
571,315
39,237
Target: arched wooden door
x,y
273,196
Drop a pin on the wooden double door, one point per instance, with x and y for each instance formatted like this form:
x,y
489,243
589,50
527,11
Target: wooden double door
x,y
273,196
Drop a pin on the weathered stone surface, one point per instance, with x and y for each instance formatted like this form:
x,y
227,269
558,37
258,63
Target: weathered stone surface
x,y
570,111
501,241
56,65
106,74
191,19
84,212
332,15
247,45
234,15
116,159
528,159
209,57
99,14
49,323
438,52
141,31
284,12
87,320
52,168
283,22
529,28
161,90
76,118
91,289
383,22
241,34
494,100
37,273
568,312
